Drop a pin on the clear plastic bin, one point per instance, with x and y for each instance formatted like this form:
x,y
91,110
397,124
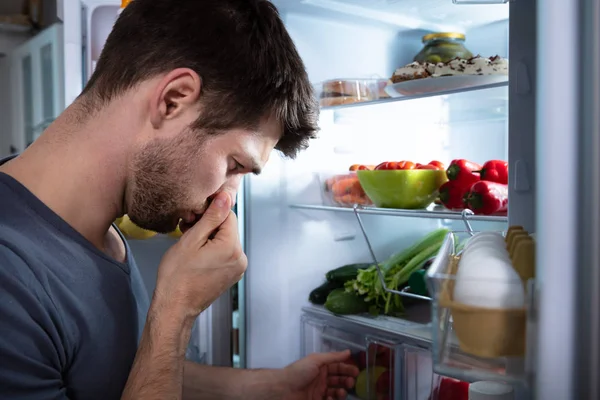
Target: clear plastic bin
x,y
337,92
474,343
342,190
421,383
377,357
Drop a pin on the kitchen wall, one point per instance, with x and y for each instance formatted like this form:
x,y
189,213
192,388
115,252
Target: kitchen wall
x,y
8,41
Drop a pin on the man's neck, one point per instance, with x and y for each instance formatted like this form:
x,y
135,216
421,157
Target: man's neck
x,y
79,174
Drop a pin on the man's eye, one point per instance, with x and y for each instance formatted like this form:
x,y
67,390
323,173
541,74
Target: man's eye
x,y
238,166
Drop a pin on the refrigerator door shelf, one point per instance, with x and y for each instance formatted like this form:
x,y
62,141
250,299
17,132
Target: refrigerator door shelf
x,y
493,342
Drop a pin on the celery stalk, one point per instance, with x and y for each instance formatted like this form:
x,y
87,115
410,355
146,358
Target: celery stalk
x,y
416,262
407,254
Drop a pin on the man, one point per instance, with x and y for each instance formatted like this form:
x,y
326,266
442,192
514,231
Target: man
x,y
187,97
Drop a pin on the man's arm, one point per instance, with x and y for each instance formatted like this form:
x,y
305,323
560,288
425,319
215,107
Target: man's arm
x,y
202,382
157,371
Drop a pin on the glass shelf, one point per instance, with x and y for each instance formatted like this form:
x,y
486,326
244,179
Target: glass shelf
x,y
427,95
435,212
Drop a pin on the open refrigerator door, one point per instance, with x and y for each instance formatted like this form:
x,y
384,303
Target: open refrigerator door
x,y
327,236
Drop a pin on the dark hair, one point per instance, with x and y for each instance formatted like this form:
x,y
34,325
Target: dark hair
x,y
248,63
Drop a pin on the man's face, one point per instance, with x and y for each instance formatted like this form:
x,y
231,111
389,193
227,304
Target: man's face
x,y
176,177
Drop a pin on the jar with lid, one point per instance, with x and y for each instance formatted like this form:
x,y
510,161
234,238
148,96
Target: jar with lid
x,y
443,47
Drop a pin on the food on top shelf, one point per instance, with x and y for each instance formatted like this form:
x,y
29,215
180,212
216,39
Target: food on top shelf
x,y
456,67
487,293
336,92
345,190
442,47
494,171
414,70
473,66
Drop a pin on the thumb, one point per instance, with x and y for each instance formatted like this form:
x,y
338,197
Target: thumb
x,y
214,216
329,358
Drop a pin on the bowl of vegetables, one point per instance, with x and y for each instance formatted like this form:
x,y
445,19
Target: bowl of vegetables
x,y
392,185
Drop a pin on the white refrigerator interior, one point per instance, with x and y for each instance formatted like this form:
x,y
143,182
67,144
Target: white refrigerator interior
x,y
289,249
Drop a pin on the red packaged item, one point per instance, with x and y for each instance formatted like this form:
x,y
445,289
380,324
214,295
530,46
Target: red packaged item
x,y
494,171
464,171
450,389
486,197
452,194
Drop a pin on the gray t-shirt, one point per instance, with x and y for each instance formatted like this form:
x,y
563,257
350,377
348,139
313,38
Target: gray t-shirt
x,y
70,316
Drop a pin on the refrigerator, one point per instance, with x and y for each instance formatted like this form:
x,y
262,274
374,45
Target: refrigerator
x,y
543,119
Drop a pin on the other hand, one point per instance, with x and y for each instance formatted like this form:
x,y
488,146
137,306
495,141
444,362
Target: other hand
x,y
320,376
206,261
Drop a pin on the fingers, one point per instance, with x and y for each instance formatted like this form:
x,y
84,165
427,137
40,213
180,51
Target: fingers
x,y
214,216
336,394
343,369
228,229
329,358
340,382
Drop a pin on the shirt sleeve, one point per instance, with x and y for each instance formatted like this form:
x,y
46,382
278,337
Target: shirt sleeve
x,y
32,351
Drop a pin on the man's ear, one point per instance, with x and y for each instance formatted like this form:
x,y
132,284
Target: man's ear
x,y
175,93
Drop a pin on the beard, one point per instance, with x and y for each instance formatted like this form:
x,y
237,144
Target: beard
x,y
161,182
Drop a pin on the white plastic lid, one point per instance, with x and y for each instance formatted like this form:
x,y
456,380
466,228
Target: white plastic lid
x,y
488,390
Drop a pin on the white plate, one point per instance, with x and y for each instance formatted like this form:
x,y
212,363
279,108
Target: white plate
x,y
440,84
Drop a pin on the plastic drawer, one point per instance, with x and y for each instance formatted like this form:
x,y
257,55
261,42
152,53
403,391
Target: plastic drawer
x,y
377,357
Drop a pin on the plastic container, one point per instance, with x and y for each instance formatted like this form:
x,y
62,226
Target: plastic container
x,y
337,92
473,343
342,190
443,47
420,383
376,357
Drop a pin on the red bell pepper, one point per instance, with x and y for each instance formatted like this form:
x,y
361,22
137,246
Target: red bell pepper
x,y
452,194
486,197
463,170
495,171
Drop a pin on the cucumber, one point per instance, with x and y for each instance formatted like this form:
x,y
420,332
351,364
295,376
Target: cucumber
x,y
319,295
346,273
341,302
